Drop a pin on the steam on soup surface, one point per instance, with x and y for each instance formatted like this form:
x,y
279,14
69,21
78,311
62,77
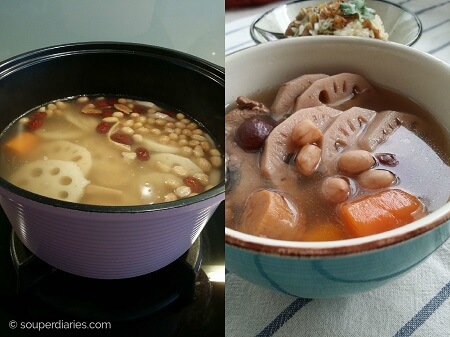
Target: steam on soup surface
x,y
109,151
325,158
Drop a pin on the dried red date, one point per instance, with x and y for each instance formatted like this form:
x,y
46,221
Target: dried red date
x,y
111,101
194,184
106,113
103,127
252,133
142,154
122,138
102,104
37,115
34,124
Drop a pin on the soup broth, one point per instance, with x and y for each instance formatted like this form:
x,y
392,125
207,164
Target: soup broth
x,y
109,151
341,159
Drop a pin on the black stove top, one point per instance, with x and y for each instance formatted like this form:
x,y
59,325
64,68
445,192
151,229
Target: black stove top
x,y
178,300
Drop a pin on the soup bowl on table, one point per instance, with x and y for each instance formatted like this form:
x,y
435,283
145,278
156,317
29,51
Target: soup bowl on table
x,y
111,241
338,265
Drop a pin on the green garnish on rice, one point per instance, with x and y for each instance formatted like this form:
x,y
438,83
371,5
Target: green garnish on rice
x,y
345,18
357,7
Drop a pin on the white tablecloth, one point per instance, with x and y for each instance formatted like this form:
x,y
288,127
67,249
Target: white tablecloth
x,y
417,304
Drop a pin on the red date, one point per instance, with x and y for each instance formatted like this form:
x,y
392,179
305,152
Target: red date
x,y
103,127
142,154
194,184
37,115
34,124
252,133
106,113
122,138
102,104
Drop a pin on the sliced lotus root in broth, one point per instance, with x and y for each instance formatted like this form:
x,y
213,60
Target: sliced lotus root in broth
x,y
121,146
56,179
110,170
289,91
155,146
100,195
172,160
79,119
384,124
333,91
50,134
67,151
279,145
341,135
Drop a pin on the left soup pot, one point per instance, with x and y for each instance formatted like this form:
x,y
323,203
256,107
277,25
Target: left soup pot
x,y
111,242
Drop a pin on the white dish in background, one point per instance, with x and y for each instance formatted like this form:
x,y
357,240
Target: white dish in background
x,y
402,25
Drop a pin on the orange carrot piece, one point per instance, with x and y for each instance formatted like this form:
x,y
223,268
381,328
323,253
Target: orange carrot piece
x,y
22,143
326,231
380,212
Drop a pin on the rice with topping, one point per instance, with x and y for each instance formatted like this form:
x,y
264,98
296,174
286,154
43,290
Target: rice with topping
x,y
341,18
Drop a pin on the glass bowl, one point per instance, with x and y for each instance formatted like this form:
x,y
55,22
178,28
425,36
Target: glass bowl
x,y
402,25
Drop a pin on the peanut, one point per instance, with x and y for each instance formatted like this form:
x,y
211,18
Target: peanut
x,y
307,159
356,161
335,189
306,132
376,179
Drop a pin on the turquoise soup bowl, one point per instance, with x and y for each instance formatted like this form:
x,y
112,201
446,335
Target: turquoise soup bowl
x,y
346,267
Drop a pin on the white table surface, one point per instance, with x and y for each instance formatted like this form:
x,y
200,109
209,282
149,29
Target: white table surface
x,y
417,304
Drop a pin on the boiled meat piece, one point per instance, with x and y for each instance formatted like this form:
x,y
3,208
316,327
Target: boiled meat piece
x,y
241,166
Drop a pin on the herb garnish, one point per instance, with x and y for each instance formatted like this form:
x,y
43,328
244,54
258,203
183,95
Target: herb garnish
x,y
357,7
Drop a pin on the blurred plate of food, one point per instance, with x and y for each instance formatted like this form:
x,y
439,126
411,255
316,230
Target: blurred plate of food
x,y
374,19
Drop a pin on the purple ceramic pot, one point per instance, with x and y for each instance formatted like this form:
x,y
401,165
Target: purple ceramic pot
x,y
105,241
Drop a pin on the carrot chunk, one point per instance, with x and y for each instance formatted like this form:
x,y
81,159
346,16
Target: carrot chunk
x,y
22,143
380,212
326,231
